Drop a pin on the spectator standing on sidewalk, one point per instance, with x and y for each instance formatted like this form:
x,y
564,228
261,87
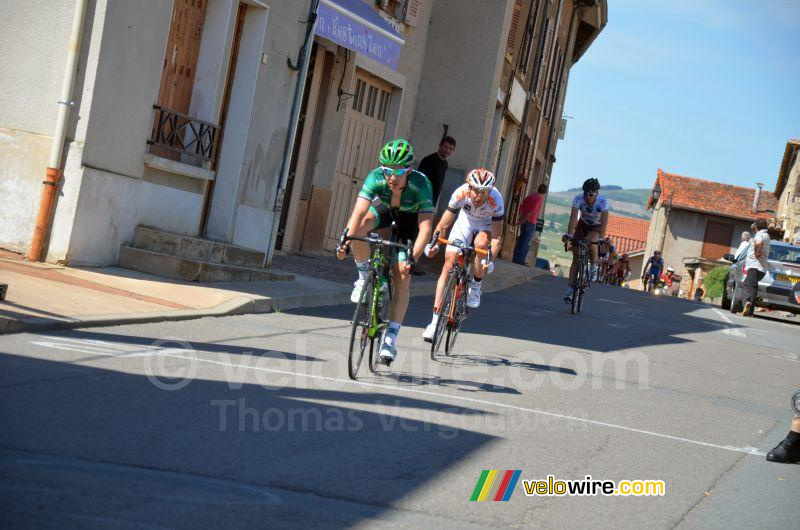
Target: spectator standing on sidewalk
x,y
699,291
788,451
745,241
434,166
527,218
756,265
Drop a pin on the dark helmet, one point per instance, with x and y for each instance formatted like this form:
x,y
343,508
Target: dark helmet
x,y
591,185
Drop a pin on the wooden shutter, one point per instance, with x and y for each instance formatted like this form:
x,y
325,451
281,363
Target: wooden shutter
x,y
514,29
540,76
183,50
717,241
412,12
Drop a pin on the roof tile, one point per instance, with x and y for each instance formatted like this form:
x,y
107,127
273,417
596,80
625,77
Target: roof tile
x,y
628,234
712,197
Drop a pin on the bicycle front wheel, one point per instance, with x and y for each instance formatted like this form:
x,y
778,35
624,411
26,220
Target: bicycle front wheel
x,y
448,298
458,318
361,326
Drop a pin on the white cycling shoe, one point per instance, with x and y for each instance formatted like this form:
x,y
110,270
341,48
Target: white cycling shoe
x,y
387,353
358,286
474,296
429,332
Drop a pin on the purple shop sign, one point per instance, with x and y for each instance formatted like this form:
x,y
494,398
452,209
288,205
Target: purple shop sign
x,y
356,33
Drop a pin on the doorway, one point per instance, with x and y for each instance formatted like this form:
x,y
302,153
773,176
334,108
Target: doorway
x,y
362,137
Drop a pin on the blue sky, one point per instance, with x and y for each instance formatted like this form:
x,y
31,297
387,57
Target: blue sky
x,y
704,88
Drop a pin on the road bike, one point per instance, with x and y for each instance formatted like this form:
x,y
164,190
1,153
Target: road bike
x,y
370,318
582,273
454,310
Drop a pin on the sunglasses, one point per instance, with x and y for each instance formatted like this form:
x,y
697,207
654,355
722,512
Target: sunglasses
x,y
591,194
396,172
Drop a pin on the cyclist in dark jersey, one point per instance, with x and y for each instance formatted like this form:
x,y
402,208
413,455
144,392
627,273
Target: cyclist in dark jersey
x,y
652,270
392,192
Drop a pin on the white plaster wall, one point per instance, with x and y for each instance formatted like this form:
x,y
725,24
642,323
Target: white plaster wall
x,y
126,85
111,206
34,35
250,164
24,157
250,227
245,96
460,76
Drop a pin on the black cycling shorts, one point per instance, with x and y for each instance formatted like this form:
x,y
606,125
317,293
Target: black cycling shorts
x,y
407,222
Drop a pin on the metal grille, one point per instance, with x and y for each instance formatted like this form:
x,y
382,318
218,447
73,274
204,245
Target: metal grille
x,y
183,135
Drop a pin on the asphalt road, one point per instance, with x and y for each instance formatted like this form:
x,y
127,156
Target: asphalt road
x,y
251,421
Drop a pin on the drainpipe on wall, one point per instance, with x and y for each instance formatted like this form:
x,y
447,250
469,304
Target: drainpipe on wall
x,y
302,73
54,171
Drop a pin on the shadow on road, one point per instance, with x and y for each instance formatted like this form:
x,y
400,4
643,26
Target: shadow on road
x,y
82,444
613,318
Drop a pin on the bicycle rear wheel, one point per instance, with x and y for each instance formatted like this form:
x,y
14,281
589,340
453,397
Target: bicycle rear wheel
x,y
362,322
444,314
458,319
577,286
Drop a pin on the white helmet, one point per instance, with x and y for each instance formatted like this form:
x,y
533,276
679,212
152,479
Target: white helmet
x,y
670,269
481,179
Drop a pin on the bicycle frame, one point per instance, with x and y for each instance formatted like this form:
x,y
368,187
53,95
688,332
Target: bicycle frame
x,y
462,269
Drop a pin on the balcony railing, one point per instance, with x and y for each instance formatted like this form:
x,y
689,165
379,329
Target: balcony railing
x,y
182,136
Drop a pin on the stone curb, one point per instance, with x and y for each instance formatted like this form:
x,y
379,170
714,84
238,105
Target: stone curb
x,y
241,305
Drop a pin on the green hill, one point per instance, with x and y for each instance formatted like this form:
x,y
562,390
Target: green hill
x,y
630,203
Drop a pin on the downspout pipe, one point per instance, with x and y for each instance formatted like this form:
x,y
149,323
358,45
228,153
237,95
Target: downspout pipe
x,y
54,170
303,62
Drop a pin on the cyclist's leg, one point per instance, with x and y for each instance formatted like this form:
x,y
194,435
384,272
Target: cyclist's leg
x,y
482,242
374,219
401,282
449,260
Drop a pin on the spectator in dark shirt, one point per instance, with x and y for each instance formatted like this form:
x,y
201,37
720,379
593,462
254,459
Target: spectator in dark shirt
x,y
434,166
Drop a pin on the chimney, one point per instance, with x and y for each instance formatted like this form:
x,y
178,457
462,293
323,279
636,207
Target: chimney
x,y
758,197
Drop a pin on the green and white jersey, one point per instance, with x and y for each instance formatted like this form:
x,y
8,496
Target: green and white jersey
x,y
417,197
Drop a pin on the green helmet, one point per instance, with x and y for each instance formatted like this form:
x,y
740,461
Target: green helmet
x,y
397,152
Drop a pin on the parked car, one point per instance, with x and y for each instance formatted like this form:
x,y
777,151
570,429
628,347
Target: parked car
x,y
542,263
776,290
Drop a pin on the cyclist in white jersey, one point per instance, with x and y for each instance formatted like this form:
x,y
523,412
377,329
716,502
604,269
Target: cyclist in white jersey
x,y
588,221
480,214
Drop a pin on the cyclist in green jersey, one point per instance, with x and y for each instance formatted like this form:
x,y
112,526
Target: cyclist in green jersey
x,y
392,192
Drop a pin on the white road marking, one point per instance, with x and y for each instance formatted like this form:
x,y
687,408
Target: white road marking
x,y
736,332
745,450
93,347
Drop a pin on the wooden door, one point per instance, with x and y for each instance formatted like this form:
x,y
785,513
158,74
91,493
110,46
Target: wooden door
x,y
183,50
362,138
717,241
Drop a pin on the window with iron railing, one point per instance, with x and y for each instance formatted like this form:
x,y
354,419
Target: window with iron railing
x,y
183,138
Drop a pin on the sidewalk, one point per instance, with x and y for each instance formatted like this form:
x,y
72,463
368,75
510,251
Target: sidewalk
x,y
45,296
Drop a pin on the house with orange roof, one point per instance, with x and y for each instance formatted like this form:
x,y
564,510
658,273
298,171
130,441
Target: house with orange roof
x,y
629,236
787,190
696,222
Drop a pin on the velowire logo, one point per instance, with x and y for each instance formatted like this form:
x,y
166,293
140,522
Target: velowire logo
x,y
494,485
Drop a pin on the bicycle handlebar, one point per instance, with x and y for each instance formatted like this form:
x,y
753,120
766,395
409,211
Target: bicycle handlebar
x,y
463,246
375,241
580,242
